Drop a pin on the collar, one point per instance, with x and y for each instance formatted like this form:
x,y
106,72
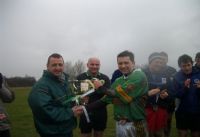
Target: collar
x,y
60,78
125,76
88,73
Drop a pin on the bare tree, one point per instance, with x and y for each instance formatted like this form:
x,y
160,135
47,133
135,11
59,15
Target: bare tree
x,y
74,70
68,67
79,67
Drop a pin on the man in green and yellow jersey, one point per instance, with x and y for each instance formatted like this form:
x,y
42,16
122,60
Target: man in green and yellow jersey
x,y
127,94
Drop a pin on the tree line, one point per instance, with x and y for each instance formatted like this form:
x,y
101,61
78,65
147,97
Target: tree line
x,y
26,81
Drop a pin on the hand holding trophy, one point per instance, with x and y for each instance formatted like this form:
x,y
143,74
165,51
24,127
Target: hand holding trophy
x,y
80,90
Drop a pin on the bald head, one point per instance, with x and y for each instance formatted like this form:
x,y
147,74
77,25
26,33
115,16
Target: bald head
x,y
92,59
93,65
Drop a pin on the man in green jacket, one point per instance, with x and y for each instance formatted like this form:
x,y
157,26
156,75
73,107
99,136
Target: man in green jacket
x,y
53,117
127,96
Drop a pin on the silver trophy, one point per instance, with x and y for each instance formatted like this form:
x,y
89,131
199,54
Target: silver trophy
x,y
80,89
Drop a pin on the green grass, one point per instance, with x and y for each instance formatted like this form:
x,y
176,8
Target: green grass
x,y
22,122
20,115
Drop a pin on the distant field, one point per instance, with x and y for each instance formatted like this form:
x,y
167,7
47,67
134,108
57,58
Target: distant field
x,y
22,122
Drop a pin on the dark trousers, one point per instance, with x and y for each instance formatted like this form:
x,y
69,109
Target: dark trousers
x,y
5,133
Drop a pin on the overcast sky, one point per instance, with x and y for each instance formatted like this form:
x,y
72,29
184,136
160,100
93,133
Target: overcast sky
x,y
31,30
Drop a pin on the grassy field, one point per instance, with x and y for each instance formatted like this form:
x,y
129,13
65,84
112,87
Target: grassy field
x,y
22,122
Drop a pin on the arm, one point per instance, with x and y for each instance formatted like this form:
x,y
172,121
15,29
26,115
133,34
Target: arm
x,y
180,88
103,89
134,87
104,86
44,106
6,94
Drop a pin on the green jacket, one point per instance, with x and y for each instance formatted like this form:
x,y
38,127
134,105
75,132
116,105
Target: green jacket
x,y
51,116
128,100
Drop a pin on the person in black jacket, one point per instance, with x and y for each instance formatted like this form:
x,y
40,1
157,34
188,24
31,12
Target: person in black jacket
x,y
170,72
98,117
6,96
158,96
197,60
116,74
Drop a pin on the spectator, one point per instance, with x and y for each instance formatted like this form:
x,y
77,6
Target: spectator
x,y
116,74
170,72
7,96
197,60
187,87
158,96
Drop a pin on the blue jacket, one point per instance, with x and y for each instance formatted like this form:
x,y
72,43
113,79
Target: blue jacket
x,y
116,74
189,97
196,67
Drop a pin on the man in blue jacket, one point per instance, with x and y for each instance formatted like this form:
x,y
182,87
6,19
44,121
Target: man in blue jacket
x,y
53,117
187,87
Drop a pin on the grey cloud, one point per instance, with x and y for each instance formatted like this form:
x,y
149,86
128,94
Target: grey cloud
x,y
30,30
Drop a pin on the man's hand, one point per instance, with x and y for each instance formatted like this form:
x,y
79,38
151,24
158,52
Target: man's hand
x,y
122,122
187,83
153,91
77,110
164,94
97,83
197,83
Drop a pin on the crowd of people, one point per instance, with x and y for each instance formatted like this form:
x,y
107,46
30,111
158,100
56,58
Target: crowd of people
x,y
144,99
